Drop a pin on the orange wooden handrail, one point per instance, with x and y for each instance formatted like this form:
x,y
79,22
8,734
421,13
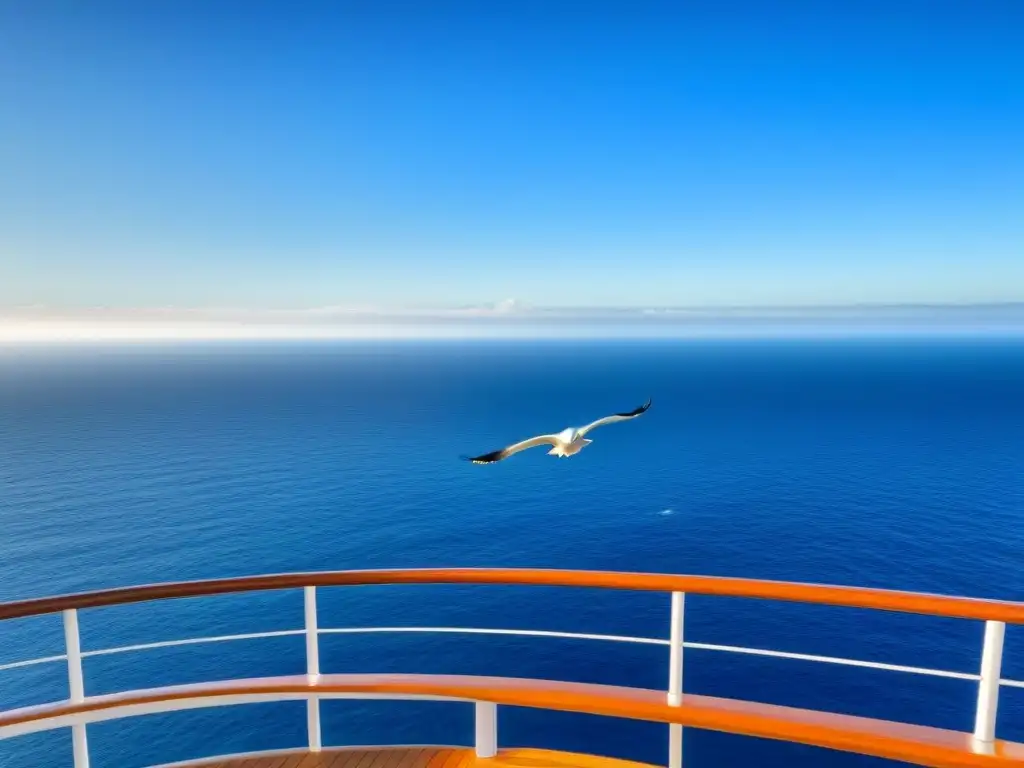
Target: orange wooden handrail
x,y
853,597
916,744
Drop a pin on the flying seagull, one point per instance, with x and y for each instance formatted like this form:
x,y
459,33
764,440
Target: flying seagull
x,y
566,443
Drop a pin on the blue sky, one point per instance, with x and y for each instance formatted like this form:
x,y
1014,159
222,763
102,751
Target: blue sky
x,y
273,155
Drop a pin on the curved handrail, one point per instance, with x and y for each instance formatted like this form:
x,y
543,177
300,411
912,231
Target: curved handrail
x,y
852,597
916,744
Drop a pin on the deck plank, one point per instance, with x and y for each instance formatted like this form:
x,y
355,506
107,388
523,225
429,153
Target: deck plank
x,y
392,758
356,758
409,758
423,758
420,757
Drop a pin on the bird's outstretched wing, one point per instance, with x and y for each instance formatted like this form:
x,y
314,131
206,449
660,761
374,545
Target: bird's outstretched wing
x,y
614,418
504,453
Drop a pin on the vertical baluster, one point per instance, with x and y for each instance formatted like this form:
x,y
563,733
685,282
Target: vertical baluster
x,y
988,686
486,729
312,669
675,679
76,685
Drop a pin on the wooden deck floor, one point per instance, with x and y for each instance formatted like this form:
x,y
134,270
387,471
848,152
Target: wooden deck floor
x,y
413,757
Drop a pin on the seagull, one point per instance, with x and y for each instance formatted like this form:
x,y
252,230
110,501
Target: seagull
x,y
568,442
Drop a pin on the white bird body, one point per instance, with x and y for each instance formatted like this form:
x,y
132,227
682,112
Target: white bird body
x,y
568,442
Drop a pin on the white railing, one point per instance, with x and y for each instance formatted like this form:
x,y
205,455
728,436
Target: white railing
x,y
76,685
312,633
675,678
486,729
988,685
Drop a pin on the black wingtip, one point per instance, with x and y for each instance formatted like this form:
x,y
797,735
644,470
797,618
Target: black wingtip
x,y
487,458
639,410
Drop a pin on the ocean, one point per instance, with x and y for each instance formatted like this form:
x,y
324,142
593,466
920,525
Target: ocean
x,y
892,463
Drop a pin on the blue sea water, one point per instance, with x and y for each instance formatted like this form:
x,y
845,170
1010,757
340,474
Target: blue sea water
x,y
889,463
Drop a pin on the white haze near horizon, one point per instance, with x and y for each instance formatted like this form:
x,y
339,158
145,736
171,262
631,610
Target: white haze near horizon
x,y
503,320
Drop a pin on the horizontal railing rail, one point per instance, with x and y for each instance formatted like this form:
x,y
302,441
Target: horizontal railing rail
x,y
818,594
743,650
909,743
994,613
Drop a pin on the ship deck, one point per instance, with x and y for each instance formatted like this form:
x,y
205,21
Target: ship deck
x,y
413,757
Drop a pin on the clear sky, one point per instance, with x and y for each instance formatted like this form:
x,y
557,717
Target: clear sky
x,y
262,154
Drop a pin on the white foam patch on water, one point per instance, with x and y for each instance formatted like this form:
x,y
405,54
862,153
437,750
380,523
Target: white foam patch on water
x,y
667,512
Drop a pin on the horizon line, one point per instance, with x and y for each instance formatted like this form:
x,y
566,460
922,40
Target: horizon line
x,y
506,306
80,334
506,319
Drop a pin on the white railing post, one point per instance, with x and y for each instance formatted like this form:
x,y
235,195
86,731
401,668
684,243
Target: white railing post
x,y
312,668
675,679
988,686
76,685
486,729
